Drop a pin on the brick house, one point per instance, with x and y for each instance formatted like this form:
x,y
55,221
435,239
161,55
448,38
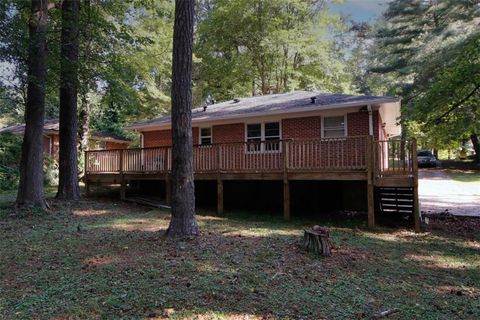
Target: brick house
x,y
291,137
286,116
51,139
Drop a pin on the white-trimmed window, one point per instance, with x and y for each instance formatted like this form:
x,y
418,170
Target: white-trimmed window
x,y
205,136
334,127
263,136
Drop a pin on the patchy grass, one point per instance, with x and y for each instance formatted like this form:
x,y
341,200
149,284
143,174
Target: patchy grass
x,y
468,176
104,259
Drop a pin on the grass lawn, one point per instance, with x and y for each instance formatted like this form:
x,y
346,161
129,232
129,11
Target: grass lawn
x,y
108,260
465,176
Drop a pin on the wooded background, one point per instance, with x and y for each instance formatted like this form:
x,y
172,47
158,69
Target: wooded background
x,y
426,52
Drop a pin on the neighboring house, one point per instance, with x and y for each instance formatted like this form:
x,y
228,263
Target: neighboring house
x,y
107,141
98,140
297,136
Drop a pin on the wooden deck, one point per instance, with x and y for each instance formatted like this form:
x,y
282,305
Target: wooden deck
x,y
381,163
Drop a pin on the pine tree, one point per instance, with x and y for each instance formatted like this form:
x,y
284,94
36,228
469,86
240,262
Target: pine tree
x,y
68,187
30,189
183,221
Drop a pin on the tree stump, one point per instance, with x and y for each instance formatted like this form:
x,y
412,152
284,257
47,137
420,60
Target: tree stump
x,y
317,240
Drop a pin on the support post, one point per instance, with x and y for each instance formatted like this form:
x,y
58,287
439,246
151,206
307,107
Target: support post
x,y
286,183
87,184
123,187
370,181
168,190
286,199
416,203
219,196
123,183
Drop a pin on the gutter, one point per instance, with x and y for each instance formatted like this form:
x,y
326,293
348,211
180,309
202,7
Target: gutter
x,y
370,120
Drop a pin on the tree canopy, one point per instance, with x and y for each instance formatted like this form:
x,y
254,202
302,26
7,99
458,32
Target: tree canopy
x,y
430,52
425,52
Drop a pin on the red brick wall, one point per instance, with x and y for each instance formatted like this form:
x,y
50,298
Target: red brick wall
x,y
229,133
349,152
55,145
195,132
301,128
163,138
159,138
357,124
295,128
109,145
46,145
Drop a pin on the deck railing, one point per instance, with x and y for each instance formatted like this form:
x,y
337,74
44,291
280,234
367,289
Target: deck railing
x,y
349,153
394,157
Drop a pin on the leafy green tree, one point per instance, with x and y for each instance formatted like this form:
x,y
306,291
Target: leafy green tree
x,y
427,48
10,152
248,47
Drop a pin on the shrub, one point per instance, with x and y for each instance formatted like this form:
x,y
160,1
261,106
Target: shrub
x,y
10,152
50,171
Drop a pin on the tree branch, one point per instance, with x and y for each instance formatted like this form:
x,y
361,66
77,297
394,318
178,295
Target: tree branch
x,y
456,105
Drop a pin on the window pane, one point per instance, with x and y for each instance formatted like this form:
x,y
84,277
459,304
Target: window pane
x,y
205,132
205,136
272,129
333,127
333,133
329,122
254,130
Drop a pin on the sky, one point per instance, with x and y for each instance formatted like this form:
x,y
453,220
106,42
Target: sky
x,y
361,10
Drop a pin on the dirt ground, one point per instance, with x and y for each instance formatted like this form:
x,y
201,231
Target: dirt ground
x,y
443,191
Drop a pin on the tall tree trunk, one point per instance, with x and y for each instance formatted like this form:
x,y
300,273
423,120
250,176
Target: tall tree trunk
x,y
476,146
183,221
68,187
30,189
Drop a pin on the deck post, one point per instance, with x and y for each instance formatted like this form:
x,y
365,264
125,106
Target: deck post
x,y
286,199
123,187
416,204
87,185
370,181
219,196
168,190
286,183
123,183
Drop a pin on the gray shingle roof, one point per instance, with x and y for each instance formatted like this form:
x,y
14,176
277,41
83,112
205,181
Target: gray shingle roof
x,y
272,104
49,126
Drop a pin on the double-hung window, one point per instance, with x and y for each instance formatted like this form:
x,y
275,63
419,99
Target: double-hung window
x,y
334,127
263,136
205,136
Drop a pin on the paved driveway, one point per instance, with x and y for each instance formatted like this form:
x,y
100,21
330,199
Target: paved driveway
x,y
438,192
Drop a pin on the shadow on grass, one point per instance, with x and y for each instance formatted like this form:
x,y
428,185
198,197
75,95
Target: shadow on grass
x,y
77,263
